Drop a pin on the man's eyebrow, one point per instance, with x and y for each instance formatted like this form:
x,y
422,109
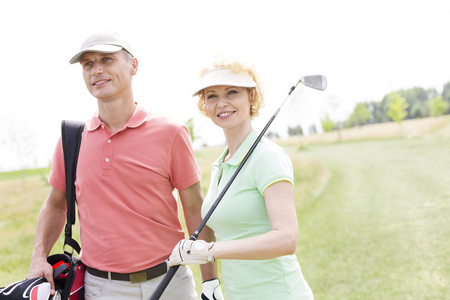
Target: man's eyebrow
x,y
89,56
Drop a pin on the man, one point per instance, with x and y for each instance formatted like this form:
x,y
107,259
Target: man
x,y
130,161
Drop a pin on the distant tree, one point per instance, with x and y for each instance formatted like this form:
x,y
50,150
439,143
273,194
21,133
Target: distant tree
x,y
272,135
438,106
379,111
417,106
416,97
360,116
293,131
327,124
397,107
446,92
432,93
312,129
190,126
419,110
371,108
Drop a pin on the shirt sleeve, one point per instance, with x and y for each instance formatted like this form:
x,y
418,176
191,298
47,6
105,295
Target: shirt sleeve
x,y
273,165
184,170
57,178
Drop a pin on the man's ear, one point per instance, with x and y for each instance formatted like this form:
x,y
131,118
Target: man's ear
x,y
135,64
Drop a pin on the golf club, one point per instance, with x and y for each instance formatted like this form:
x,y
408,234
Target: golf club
x,y
318,82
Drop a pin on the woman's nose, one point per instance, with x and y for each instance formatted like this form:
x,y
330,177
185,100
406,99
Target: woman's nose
x,y
222,102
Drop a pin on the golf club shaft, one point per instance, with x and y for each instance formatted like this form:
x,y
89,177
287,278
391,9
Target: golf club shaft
x,y
172,270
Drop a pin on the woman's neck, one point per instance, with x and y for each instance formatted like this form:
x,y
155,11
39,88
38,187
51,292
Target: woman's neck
x,y
235,137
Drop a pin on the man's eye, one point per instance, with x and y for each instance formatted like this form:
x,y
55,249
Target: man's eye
x,y
105,59
88,64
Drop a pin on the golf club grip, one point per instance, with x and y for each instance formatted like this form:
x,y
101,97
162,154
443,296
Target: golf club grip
x,y
164,283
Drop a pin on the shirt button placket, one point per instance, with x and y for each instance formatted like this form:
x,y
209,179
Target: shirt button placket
x,y
107,162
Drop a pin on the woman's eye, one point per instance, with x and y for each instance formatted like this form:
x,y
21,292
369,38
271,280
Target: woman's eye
x,y
210,96
232,92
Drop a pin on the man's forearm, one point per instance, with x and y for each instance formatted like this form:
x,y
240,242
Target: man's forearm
x,y
209,271
192,200
49,227
51,220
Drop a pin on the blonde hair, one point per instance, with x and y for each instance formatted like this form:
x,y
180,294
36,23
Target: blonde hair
x,y
236,67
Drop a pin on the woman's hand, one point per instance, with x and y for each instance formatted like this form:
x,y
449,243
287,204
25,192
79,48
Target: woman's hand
x,y
188,252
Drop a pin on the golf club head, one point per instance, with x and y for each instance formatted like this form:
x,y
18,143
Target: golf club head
x,y
318,82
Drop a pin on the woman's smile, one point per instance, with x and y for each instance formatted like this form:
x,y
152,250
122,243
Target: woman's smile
x,y
224,115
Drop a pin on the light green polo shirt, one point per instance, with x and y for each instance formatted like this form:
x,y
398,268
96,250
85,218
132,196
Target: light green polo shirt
x,y
242,214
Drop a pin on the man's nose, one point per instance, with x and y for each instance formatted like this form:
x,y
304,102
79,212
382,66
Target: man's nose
x,y
96,69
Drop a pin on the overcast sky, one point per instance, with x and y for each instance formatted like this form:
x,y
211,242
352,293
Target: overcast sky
x,y
366,49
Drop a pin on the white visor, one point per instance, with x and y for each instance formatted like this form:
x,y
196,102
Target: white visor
x,y
221,76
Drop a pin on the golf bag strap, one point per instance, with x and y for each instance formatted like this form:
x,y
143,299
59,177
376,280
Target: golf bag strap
x,y
71,132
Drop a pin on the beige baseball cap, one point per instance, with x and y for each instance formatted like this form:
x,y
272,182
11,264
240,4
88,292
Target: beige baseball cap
x,y
223,76
103,43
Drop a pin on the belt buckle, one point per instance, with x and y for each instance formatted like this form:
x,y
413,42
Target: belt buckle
x,y
138,277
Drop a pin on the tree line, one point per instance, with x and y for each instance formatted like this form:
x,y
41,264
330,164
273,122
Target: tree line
x,y
413,103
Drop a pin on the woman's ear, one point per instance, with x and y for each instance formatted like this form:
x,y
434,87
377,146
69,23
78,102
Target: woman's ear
x,y
252,95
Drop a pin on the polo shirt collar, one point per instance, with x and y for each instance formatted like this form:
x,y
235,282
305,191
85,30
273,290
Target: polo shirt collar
x,y
137,119
240,153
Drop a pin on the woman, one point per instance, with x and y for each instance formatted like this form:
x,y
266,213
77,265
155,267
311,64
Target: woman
x,y
255,223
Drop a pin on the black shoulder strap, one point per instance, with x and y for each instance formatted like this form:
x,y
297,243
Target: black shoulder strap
x,y
71,139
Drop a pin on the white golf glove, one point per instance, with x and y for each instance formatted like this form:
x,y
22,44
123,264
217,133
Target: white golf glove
x,y
188,252
211,290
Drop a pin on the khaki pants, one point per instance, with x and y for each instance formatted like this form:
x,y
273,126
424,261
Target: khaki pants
x,y
182,286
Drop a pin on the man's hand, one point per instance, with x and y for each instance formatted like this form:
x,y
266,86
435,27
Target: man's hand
x,y
188,252
211,290
41,268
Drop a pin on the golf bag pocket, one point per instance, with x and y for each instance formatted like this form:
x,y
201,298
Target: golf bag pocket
x,y
32,289
68,275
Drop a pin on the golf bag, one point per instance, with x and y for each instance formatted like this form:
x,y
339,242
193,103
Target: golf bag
x,y
68,270
68,276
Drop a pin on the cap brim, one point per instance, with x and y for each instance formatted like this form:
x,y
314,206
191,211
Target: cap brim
x,y
97,48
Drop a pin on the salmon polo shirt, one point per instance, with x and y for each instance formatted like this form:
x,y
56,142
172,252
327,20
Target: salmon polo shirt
x,y
125,181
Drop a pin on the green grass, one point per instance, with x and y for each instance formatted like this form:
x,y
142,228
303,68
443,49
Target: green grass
x,y
21,198
380,228
42,172
373,218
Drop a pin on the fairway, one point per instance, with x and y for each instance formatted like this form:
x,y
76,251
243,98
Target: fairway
x,y
373,217
380,229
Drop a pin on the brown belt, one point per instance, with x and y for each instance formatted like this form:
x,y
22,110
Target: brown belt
x,y
135,277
